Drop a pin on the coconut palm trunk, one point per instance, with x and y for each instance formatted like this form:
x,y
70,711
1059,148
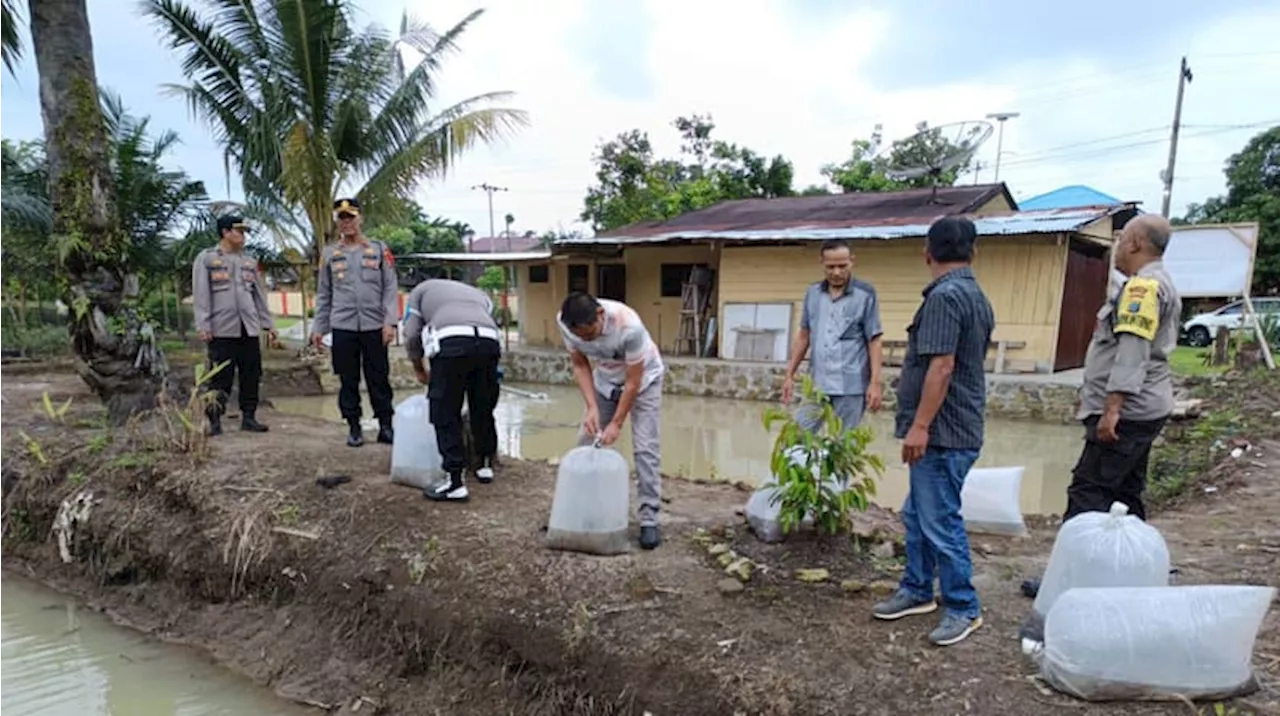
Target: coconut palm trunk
x,y
116,353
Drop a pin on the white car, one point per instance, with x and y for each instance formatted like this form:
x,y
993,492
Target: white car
x,y
1200,329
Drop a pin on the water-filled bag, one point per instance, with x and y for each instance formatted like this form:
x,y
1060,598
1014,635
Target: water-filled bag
x,y
1099,549
591,503
415,456
1154,643
990,501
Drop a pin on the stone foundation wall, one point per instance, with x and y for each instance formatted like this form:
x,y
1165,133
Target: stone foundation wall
x,y
1007,396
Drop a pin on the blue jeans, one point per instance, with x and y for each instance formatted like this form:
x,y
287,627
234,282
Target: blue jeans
x,y
936,540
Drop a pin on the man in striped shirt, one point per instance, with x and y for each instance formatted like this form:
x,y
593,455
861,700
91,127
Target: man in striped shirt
x,y
942,396
626,382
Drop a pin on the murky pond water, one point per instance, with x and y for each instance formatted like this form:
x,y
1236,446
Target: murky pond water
x,y
60,660
726,438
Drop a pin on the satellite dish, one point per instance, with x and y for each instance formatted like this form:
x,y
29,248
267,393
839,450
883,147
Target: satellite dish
x,y
933,150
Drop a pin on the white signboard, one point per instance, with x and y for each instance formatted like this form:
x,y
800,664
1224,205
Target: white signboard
x,y
1212,260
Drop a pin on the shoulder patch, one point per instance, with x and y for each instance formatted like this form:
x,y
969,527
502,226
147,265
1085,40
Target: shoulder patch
x,y
1138,308
387,256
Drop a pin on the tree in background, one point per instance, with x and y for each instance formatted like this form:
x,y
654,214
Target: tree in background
x,y
10,39
865,168
1253,195
117,354
633,185
305,104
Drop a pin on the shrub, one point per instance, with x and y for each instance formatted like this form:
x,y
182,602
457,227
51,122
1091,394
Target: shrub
x,y
826,473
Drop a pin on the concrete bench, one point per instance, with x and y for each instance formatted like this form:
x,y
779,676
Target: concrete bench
x,y
896,350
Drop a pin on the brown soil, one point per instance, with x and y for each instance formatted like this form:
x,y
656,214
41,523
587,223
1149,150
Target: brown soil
x,y
367,590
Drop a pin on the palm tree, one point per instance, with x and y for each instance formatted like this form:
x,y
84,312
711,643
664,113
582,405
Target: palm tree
x,y
10,40
118,356
306,105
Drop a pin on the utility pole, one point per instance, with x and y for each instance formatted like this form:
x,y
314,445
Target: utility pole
x,y
490,189
1184,76
1000,117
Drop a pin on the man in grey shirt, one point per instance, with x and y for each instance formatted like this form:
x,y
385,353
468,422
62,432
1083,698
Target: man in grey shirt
x,y
1128,387
230,302
451,324
840,320
357,298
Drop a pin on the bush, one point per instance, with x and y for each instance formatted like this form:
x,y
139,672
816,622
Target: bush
x,y
826,473
35,341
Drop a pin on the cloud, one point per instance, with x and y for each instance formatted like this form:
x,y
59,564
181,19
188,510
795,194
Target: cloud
x,y
800,79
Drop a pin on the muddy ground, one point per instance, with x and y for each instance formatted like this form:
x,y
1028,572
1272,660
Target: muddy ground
x,y
367,591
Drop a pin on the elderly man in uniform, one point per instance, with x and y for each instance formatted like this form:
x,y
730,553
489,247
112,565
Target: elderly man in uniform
x,y
840,318
626,382
1128,387
357,298
451,324
231,312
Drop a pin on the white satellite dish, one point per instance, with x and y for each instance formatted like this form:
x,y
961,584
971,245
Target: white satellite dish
x,y
904,162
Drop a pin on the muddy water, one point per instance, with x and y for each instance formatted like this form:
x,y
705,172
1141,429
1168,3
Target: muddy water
x,y
726,439
64,661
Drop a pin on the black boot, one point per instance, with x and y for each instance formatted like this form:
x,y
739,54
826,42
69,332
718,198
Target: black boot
x,y
650,538
450,490
385,434
215,423
355,436
249,423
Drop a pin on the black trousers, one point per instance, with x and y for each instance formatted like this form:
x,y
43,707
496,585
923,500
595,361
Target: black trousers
x,y
1114,471
351,351
243,355
466,367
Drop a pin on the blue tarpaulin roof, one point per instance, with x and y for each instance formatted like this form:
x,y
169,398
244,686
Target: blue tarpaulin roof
x,y
1068,197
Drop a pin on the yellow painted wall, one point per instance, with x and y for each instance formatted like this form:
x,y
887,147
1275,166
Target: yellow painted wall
x,y
644,287
997,205
661,315
1021,276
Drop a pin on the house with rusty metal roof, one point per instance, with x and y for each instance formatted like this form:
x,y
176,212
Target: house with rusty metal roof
x,y
727,281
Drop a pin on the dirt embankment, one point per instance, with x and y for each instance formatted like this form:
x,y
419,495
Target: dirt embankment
x,y
366,591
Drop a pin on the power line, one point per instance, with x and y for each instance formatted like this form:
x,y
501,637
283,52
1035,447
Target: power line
x,y
490,189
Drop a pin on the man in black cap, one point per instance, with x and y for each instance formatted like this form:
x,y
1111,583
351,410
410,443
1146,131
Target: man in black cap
x,y
357,298
230,300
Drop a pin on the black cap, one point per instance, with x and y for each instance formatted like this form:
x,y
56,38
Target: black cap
x,y
349,205
232,221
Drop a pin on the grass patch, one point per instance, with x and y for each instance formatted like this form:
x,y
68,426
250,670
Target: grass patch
x,y
283,322
1192,361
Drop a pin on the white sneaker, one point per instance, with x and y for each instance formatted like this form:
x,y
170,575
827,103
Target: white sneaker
x,y
447,491
485,473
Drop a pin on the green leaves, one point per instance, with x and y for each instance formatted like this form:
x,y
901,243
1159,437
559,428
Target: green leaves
x,y
827,473
307,106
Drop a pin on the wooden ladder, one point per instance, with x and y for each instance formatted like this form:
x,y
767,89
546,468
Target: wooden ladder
x,y
693,308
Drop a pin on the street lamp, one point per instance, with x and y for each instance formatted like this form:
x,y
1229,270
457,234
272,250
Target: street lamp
x,y
1000,117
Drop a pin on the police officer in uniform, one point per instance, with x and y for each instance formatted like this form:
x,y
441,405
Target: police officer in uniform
x,y
451,324
356,299
1128,387
231,312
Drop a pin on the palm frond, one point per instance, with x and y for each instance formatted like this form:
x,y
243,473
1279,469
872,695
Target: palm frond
x,y
10,39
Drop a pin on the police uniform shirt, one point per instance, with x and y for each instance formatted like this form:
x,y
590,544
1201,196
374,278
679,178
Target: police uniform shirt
x,y
228,292
444,303
1137,331
357,287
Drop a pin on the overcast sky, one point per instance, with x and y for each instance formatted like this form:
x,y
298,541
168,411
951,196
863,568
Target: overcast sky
x,y
1094,82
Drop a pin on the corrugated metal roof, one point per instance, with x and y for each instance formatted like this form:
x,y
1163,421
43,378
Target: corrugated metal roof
x,y
1052,221
911,206
1067,197
484,258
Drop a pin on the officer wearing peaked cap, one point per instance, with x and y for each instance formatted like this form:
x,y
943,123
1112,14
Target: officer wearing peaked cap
x,y
357,299
230,300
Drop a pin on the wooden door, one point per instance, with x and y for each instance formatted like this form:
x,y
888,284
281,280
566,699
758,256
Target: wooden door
x,y
1083,293
611,282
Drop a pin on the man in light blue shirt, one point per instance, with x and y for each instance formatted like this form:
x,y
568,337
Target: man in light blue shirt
x,y
840,321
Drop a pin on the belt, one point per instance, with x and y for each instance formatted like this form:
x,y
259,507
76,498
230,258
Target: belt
x,y
475,331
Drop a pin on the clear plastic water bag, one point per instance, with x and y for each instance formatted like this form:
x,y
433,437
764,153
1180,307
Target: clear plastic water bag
x,y
1099,549
764,507
1154,643
591,503
415,456
990,501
